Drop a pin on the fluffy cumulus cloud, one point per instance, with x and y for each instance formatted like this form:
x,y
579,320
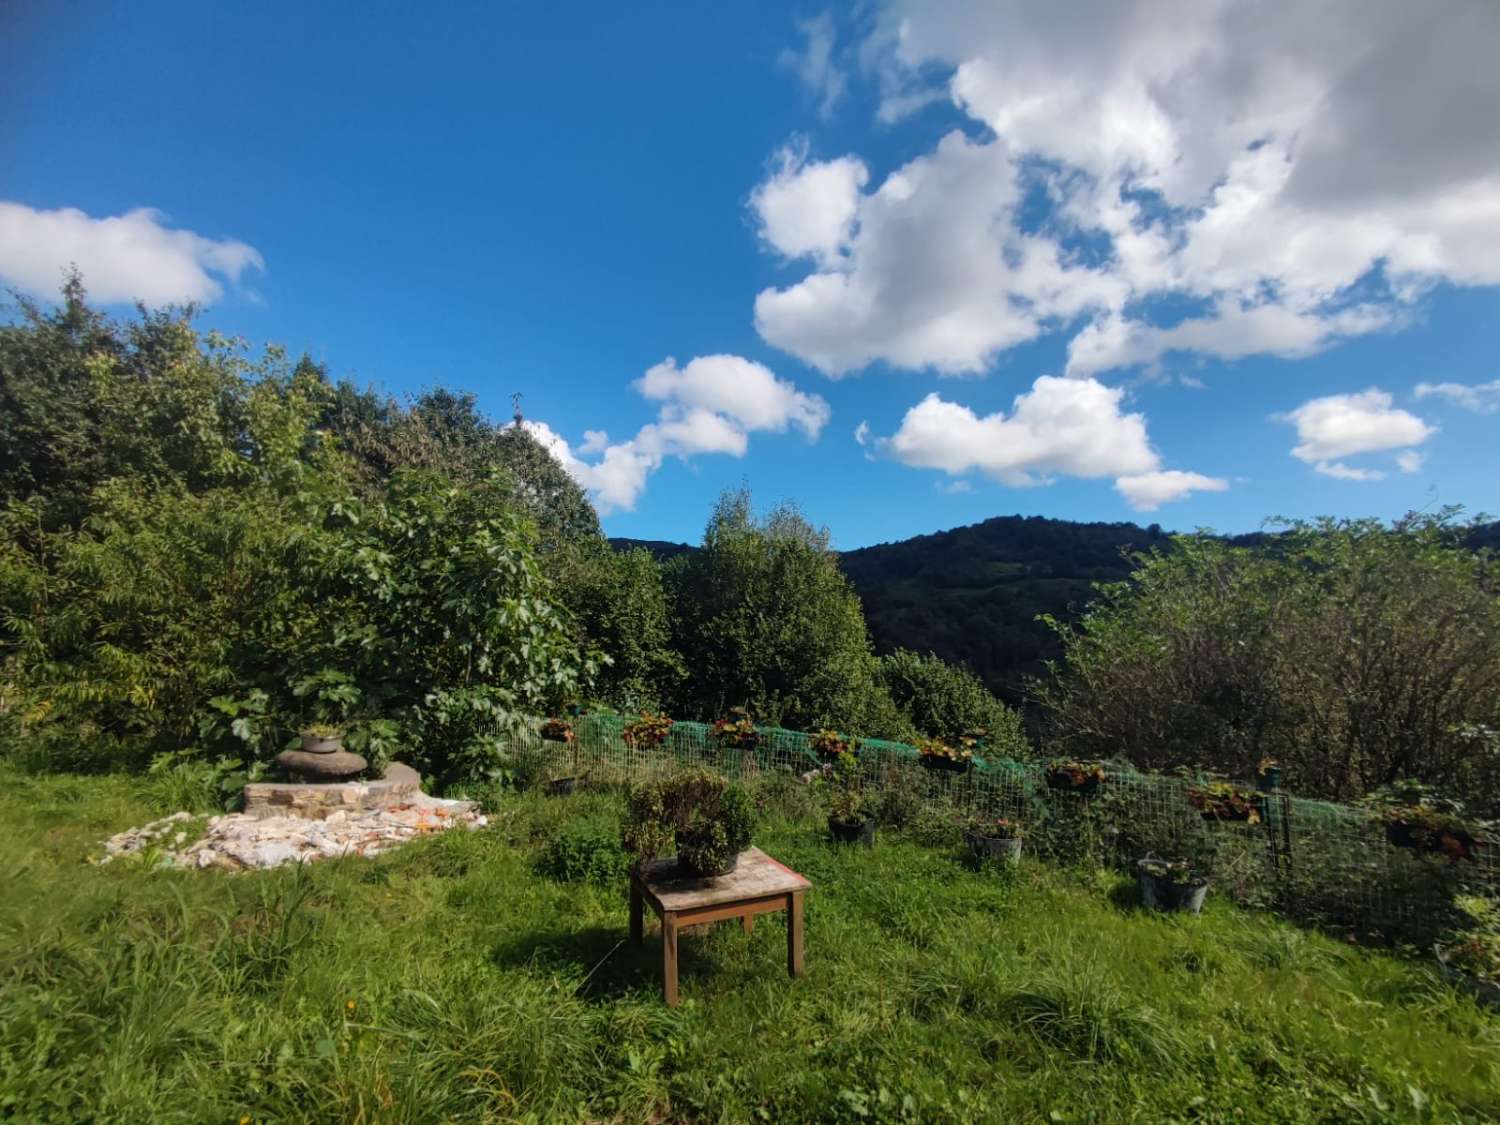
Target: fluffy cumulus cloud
x,y
1061,427
1269,174
131,257
1335,427
709,405
1481,398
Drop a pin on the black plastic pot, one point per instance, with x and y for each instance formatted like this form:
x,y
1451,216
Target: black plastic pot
x,y
945,765
560,786
993,847
1268,780
1159,892
696,870
853,832
1065,782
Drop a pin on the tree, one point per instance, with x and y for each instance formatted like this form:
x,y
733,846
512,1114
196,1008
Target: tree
x,y
766,620
1354,653
948,701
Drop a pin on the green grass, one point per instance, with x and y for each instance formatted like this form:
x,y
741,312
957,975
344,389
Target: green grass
x,y
452,981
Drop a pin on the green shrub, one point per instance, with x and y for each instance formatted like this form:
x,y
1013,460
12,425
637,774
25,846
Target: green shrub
x,y
584,853
949,702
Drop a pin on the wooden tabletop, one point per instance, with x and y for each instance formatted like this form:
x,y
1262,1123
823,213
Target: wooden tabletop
x,y
756,876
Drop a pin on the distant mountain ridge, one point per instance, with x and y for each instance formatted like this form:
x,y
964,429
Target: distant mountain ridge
x,y
973,594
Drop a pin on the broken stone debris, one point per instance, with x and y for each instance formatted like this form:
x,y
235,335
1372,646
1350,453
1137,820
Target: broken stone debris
x,y
238,842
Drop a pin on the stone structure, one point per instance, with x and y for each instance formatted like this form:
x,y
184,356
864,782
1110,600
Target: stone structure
x,y
316,800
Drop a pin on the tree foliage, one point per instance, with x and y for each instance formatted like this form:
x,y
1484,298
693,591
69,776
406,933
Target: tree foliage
x,y
765,620
1353,653
212,578
948,701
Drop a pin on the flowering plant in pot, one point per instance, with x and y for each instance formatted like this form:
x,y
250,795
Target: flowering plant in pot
x,y
1223,800
1424,828
1471,957
557,730
850,818
1172,885
698,813
829,744
937,754
994,837
322,738
735,733
1075,776
648,732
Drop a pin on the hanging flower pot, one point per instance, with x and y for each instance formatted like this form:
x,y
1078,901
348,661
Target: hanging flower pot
x,y
1220,800
938,755
647,733
1069,776
557,730
1422,828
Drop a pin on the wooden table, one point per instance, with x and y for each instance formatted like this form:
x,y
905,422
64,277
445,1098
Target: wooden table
x,y
757,885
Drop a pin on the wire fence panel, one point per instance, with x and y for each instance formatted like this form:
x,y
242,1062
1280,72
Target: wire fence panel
x,y
1308,859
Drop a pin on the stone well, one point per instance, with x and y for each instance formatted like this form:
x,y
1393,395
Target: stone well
x,y
316,800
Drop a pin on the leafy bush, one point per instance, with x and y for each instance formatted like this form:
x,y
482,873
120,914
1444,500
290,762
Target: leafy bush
x,y
1352,653
948,702
584,853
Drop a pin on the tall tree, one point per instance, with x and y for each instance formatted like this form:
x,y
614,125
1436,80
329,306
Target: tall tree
x,y
766,620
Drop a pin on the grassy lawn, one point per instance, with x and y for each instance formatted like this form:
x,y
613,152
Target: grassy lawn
x,y
451,981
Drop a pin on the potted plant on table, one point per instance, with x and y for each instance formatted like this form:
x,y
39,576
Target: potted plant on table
x,y
850,818
1471,957
646,733
1171,885
698,812
994,837
936,754
1223,800
1079,777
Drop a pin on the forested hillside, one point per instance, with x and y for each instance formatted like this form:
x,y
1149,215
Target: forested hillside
x,y
972,595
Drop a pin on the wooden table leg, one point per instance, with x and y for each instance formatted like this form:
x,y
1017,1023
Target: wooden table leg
x,y
669,959
794,933
637,911
748,921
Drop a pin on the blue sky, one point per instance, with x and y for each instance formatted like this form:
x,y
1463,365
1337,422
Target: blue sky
x,y
1181,265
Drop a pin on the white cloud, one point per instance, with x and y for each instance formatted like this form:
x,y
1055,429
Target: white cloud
x,y
862,433
1334,427
953,487
1481,398
1364,422
815,64
1411,461
1339,471
742,390
709,405
1275,167
807,209
1146,492
123,258
1068,427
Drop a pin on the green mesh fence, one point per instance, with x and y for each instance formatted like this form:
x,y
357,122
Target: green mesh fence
x,y
1308,859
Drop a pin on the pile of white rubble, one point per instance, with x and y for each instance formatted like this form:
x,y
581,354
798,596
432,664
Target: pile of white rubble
x,y
235,841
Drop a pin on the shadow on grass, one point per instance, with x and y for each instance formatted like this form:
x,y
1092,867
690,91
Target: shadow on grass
x,y
1126,898
610,964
